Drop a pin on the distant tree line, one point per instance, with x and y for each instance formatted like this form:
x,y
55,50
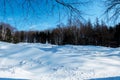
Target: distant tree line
x,y
85,34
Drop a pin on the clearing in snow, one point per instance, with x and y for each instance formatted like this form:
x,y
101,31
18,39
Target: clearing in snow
x,y
51,62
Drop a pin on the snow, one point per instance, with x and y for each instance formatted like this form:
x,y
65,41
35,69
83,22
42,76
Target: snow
x,y
37,61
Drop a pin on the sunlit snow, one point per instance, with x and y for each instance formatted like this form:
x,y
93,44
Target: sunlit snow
x,y
37,61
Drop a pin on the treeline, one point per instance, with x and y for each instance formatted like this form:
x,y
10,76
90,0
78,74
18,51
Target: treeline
x,y
85,34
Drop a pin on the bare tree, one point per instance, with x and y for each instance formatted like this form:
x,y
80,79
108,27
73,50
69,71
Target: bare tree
x,y
30,8
113,9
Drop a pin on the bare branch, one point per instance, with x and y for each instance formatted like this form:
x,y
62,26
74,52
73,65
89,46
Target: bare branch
x,y
113,9
33,7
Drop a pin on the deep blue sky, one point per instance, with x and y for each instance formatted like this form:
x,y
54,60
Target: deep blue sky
x,y
46,18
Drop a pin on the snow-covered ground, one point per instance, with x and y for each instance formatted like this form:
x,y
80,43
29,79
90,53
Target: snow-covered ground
x,y
52,62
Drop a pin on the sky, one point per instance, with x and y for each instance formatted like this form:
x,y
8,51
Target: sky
x,y
45,16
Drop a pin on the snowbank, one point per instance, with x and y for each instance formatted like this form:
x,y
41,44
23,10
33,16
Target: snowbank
x,y
52,62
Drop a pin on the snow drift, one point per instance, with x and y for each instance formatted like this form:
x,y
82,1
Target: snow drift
x,y
51,62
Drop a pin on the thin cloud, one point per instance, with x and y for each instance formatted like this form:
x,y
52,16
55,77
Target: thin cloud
x,y
41,26
10,19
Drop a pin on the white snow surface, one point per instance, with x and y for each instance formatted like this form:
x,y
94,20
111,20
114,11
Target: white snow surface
x,y
37,61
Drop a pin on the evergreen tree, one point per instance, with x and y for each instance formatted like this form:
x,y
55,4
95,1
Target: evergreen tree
x,y
117,35
8,35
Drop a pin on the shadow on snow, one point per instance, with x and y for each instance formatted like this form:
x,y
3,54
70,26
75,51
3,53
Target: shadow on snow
x,y
108,78
12,79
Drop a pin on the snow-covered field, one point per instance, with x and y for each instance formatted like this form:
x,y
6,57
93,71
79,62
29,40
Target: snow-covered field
x,y
52,62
